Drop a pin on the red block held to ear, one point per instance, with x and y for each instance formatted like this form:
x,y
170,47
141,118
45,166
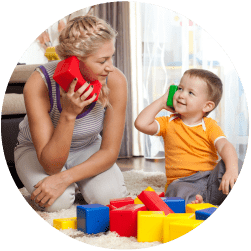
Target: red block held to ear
x,y
67,70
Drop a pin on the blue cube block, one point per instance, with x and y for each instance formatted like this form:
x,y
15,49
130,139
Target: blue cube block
x,y
92,219
177,204
204,213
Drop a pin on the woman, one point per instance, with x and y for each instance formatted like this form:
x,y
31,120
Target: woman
x,y
59,139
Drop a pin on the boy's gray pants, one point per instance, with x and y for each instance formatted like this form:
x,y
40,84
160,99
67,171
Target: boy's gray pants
x,y
98,189
204,183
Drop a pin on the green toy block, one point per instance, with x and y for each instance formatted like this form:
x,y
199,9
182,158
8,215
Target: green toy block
x,y
172,90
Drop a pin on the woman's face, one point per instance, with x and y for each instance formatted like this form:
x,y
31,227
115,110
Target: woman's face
x,y
99,64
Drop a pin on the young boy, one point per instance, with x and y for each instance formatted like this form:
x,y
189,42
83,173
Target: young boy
x,y
192,140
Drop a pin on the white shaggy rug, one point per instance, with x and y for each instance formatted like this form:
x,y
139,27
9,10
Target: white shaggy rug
x,y
136,182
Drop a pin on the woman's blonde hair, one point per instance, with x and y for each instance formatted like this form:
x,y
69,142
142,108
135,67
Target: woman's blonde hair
x,y
82,37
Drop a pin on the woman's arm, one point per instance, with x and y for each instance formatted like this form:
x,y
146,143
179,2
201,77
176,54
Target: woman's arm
x,y
145,122
52,145
112,132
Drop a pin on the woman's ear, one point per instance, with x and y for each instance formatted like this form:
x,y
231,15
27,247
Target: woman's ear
x,y
209,106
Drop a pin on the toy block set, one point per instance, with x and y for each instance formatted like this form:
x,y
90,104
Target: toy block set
x,y
148,218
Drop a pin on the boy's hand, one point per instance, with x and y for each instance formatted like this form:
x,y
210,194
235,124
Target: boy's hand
x,y
228,179
164,100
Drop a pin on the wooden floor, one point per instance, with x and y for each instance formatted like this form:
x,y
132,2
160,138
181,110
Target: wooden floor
x,y
140,163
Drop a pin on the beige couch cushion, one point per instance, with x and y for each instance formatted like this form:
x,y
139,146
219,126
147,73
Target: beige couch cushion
x,y
13,104
22,73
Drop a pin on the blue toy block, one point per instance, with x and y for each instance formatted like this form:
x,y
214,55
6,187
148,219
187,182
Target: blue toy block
x,y
204,213
92,219
177,204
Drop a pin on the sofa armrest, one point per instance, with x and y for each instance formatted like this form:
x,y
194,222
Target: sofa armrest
x,y
21,73
13,104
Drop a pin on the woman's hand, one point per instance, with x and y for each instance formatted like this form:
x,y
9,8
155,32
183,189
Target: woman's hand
x,y
49,189
72,102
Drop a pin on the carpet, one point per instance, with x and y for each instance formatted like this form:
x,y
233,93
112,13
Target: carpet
x,y
136,182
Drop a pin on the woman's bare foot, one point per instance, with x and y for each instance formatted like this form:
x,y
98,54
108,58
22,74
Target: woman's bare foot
x,y
198,199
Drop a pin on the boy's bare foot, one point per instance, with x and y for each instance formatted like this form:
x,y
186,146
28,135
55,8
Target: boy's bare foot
x,y
198,199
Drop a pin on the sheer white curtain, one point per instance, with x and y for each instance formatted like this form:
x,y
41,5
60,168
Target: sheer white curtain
x,y
171,44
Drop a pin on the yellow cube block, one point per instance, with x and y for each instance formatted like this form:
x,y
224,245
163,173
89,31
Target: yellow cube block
x,y
191,208
150,226
65,223
138,201
171,218
179,228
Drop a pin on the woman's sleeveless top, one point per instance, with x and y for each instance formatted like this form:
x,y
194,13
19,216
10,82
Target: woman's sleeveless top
x,y
88,125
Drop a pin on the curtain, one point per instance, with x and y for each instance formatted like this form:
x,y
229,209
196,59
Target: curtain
x,y
171,44
117,15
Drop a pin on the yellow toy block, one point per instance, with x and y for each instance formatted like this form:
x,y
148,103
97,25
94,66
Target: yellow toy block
x,y
149,189
179,228
191,208
171,218
138,201
51,54
65,223
150,226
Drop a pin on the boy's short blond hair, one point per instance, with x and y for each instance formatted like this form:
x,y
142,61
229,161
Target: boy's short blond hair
x,y
214,84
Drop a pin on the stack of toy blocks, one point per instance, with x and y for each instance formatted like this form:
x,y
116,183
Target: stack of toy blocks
x,y
161,224
149,217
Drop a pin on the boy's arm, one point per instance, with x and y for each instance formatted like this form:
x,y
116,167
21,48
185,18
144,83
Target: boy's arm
x,y
228,154
145,122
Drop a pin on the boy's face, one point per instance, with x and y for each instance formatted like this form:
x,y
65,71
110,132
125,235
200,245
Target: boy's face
x,y
191,98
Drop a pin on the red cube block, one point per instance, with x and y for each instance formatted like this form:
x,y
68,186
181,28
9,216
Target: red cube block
x,y
121,202
123,220
153,202
67,70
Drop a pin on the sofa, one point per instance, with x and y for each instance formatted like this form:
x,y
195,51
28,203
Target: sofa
x,y
13,112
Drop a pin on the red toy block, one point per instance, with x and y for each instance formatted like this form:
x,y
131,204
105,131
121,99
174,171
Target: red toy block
x,y
124,219
67,70
153,202
161,194
121,202
111,207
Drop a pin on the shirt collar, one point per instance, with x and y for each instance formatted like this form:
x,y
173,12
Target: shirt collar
x,y
175,116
